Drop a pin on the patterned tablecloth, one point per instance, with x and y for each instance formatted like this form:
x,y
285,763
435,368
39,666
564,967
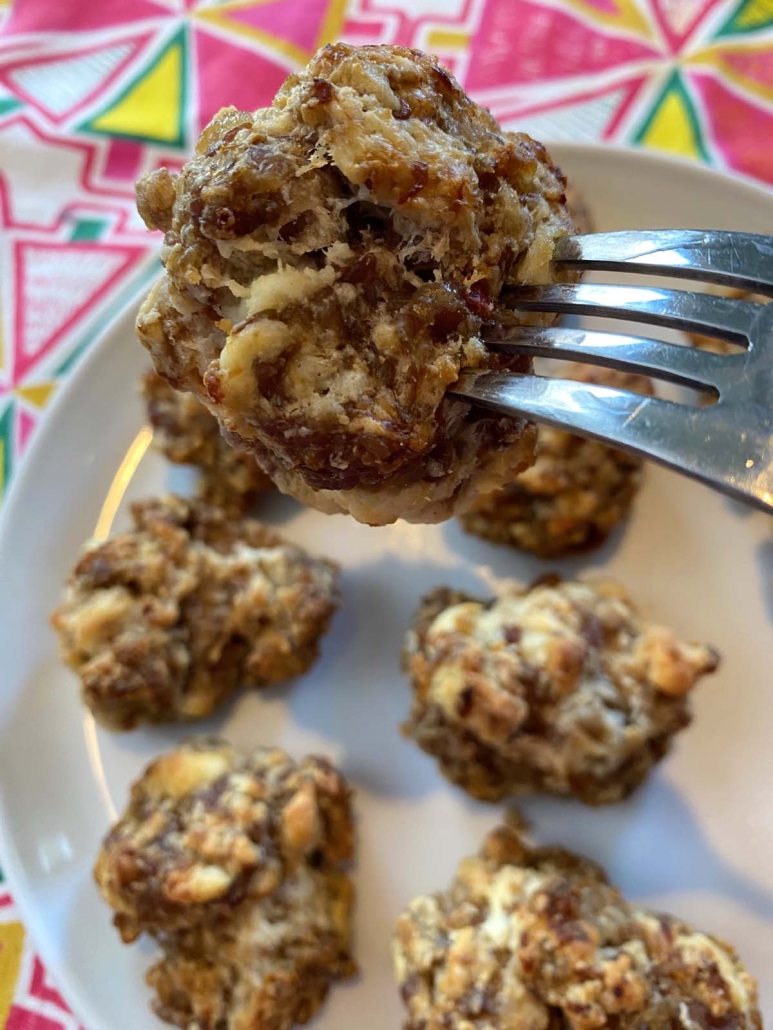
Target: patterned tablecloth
x,y
95,92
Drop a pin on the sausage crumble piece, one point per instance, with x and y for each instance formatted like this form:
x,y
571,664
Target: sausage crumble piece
x,y
237,866
187,434
537,939
561,688
575,493
164,621
329,262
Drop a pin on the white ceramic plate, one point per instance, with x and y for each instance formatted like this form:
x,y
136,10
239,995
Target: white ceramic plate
x,y
698,838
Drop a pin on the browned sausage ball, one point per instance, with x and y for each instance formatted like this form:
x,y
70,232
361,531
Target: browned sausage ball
x,y
329,263
237,865
561,687
575,493
165,620
537,939
187,434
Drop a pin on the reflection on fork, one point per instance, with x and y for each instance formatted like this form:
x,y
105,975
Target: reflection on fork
x,y
729,444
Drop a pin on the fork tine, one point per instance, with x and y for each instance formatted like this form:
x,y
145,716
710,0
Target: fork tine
x,y
725,318
671,434
669,361
729,258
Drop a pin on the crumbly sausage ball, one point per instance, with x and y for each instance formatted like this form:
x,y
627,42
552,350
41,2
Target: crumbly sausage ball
x,y
236,865
575,493
329,262
272,968
165,620
208,828
536,939
562,688
187,434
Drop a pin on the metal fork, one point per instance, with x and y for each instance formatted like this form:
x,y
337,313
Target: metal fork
x,y
729,444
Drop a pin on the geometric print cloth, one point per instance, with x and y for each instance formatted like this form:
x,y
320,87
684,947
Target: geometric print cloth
x,y
94,93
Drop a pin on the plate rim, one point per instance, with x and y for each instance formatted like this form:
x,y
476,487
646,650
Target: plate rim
x,y
11,510
10,861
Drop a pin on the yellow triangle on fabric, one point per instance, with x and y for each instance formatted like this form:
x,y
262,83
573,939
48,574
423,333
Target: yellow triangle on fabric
x,y
670,129
11,942
754,14
625,15
36,394
152,107
673,125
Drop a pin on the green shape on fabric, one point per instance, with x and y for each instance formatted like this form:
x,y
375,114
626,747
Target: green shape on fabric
x,y
8,104
748,16
153,107
87,230
6,447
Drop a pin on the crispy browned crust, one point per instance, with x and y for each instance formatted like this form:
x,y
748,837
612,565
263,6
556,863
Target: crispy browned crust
x,y
187,434
236,865
575,493
537,939
165,620
329,261
560,688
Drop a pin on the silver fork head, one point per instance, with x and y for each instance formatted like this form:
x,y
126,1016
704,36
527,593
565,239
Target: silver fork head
x,y
728,445
739,259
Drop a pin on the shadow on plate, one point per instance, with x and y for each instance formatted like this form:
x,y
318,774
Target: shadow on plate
x,y
652,845
340,706
511,564
275,509
364,719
